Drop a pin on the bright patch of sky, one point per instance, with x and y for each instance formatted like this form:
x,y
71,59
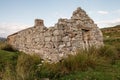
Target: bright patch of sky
x,y
16,15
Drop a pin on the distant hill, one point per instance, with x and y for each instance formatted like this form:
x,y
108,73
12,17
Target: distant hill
x,y
2,39
113,32
111,35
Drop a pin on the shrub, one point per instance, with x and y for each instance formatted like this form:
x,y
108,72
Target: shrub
x,y
109,52
2,44
83,60
7,47
49,70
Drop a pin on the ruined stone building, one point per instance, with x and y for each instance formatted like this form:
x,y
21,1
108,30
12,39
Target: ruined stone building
x,y
63,38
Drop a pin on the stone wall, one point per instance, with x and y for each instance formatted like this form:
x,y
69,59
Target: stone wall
x,y
63,38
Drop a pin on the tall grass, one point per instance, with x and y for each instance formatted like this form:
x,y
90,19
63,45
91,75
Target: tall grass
x,y
30,67
27,66
9,73
82,61
25,69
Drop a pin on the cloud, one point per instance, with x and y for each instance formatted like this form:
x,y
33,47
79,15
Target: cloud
x,y
109,23
116,12
10,28
114,22
103,12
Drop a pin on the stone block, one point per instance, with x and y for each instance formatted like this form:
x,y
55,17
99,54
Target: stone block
x,y
56,38
47,39
66,38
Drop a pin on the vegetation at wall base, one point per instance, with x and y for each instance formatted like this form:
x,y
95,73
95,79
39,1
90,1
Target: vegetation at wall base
x,y
100,64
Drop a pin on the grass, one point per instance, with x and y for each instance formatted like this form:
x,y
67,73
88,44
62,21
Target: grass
x,y
7,60
18,66
93,64
7,57
27,65
111,72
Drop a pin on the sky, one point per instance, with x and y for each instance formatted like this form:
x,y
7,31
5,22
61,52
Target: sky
x,y
16,15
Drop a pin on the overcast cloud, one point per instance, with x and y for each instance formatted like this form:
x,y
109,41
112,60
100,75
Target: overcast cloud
x,y
10,28
103,12
109,23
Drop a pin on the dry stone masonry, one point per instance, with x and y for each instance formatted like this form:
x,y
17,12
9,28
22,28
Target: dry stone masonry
x,y
63,38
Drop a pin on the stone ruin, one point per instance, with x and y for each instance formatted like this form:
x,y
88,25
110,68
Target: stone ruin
x,y
64,38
